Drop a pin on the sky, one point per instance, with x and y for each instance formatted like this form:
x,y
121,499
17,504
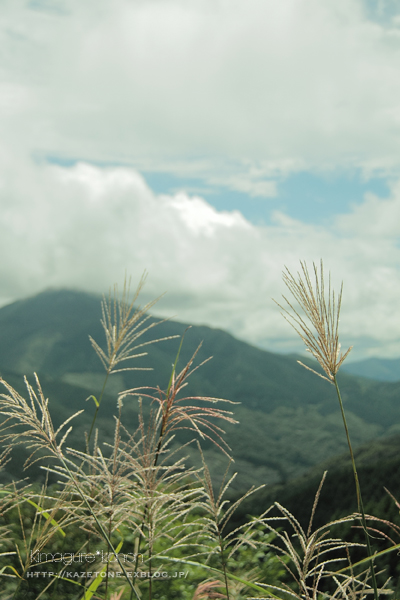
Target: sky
x,y
210,143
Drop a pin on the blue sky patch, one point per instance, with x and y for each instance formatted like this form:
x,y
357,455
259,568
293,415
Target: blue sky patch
x,y
303,196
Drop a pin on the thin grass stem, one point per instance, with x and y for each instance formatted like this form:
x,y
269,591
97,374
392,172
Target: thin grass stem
x,y
360,504
97,409
99,525
320,334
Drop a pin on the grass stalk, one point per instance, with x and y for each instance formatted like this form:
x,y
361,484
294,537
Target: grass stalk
x,y
98,402
360,504
223,562
320,334
99,525
163,427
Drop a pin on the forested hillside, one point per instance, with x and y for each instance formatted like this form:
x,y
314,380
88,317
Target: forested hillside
x,y
289,418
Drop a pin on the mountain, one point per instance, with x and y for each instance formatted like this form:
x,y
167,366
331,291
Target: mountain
x,y
289,418
378,466
380,369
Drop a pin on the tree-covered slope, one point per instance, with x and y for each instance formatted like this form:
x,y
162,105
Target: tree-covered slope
x,y
381,369
289,418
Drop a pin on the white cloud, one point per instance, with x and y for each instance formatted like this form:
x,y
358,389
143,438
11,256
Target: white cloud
x,y
376,217
201,218
296,81
235,92
84,226
253,186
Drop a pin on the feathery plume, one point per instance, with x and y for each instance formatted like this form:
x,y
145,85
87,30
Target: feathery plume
x,y
320,333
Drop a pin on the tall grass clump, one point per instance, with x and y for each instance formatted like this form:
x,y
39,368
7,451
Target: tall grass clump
x,y
127,518
319,330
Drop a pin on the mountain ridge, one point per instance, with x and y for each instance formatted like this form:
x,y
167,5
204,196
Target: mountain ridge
x,y
379,369
289,418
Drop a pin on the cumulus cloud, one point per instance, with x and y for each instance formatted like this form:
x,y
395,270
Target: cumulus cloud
x,y
200,218
375,217
253,184
84,226
290,82
238,94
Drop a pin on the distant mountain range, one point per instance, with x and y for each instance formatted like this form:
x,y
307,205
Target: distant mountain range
x,y
289,418
380,369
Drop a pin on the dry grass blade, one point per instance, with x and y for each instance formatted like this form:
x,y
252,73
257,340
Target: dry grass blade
x,y
206,590
117,595
320,332
123,324
38,430
174,414
217,515
316,500
126,488
310,556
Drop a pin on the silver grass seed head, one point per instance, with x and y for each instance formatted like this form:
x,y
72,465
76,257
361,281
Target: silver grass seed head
x,y
319,326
